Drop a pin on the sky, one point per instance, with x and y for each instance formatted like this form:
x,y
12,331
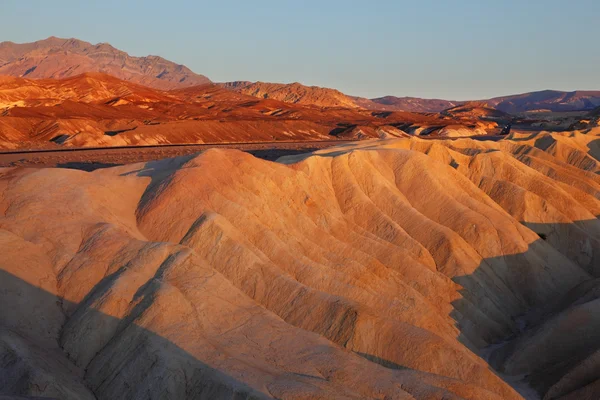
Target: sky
x,y
456,50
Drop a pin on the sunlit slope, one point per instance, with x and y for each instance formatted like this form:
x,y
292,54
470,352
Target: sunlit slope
x,y
384,269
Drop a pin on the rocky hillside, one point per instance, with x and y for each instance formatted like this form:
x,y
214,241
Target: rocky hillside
x,y
413,104
472,110
61,58
295,93
91,87
324,97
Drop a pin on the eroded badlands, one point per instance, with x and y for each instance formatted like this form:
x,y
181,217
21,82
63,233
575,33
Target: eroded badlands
x,y
385,269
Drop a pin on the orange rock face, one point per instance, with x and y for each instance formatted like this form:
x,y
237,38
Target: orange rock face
x,y
385,269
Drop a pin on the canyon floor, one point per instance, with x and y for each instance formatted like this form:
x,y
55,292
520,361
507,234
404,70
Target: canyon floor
x,y
396,268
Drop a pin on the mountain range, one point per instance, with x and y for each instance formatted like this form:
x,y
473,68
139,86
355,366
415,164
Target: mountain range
x,y
62,58
546,100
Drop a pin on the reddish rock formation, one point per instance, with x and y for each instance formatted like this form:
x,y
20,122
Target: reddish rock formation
x,y
96,109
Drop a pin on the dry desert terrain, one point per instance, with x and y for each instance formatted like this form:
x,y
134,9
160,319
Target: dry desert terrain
x,y
384,269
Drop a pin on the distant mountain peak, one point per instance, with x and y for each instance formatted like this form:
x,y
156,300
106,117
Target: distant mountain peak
x,y
56,57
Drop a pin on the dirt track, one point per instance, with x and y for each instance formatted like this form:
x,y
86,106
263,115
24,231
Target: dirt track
x,y
90,159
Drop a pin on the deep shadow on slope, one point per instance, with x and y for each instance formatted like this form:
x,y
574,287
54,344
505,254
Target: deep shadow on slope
x,y
205,383
594,147
533,317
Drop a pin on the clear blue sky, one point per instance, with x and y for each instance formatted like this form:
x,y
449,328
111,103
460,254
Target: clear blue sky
x,y
461,49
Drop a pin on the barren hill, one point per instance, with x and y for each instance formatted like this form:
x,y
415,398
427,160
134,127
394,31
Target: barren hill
x,y
61,58
91,87
293,93
475,109
325,97
413,104
396,269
